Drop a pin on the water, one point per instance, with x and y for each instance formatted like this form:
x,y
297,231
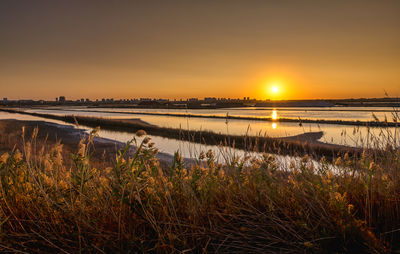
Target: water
x,y
356,136
328,113
165,145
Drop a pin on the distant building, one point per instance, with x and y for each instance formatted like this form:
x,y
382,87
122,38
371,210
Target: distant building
x,y
61,99
163,100
193,99
180,105
5,100
210,99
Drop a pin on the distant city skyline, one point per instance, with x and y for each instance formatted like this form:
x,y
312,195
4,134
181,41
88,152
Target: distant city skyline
x,y
191,99
181,49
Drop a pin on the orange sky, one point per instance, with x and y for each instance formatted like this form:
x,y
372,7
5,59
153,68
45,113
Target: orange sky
x,y
181,49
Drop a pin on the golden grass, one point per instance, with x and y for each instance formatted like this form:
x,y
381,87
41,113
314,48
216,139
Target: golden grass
x,y
246,205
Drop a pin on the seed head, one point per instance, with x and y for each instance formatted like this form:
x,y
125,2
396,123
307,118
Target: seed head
x,y
140,133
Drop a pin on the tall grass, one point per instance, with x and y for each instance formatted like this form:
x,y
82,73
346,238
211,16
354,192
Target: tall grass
x,y
51,202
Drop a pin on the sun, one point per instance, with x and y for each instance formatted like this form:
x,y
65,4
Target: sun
x,y
274,89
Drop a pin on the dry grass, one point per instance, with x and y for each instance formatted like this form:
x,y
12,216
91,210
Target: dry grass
x,y
53,202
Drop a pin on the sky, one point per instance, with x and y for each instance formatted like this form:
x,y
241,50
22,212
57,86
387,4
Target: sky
x,y
181,49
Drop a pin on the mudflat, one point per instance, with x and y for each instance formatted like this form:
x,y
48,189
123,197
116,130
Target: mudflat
x,y
12,136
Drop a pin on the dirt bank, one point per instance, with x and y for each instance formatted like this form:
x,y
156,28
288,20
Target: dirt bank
x,y
104,150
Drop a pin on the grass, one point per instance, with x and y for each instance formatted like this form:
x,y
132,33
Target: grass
x,y
51,201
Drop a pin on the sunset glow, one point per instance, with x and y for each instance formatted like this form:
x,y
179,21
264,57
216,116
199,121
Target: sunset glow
x,y
200,126
274,89
46,54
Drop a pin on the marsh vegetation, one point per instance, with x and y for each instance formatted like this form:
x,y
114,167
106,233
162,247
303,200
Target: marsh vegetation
x,y
57,201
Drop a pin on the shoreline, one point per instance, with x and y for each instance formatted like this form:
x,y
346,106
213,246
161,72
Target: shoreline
x,y
244,108
266,119
70,136
294,146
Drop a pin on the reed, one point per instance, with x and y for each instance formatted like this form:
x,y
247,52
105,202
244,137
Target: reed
x,y
54,202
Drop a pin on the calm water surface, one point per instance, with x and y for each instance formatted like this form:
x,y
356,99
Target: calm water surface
x,y
336,134
333,133
168,146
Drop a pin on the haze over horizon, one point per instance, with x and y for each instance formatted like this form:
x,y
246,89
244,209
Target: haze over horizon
x,y
181,49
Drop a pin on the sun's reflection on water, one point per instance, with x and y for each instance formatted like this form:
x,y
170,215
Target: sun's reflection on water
x,y
274,115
